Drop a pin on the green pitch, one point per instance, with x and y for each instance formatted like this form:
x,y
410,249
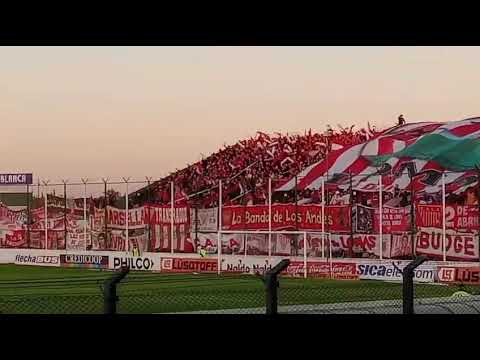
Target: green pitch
x,y
42,290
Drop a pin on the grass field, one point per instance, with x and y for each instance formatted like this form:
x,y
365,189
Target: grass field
x,y
42,290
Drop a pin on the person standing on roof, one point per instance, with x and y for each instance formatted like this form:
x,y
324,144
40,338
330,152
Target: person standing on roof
x,y
401,120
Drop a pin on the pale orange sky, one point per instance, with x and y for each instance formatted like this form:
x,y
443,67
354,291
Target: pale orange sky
x,y
69,112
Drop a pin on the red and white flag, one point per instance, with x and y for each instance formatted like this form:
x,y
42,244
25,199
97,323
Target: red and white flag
x,y
419,174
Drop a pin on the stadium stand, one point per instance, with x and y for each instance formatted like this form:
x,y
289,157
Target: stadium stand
x,y
247,165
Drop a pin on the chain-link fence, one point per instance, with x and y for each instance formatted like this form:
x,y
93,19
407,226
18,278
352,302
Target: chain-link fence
x,y
191,294
362,218
455,291
73,295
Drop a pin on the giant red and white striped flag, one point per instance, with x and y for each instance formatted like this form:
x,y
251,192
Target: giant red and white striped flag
x,y
410,156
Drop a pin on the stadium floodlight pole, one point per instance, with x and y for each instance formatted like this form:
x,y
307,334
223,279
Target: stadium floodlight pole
x,y
269,217
220,226
380,222
84,181
45,183
172,214
127,243
444,232
323,217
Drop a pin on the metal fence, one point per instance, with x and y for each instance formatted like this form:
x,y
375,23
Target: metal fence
x,y
273,293
430,219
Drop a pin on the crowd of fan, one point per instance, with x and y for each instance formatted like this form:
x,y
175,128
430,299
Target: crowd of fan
x,y
246,166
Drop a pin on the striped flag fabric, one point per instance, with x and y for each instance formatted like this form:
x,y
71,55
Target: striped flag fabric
x,y
408,156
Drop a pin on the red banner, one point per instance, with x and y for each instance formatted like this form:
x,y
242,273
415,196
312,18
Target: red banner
x,y
307,217
147,222
181,265
456,217
16,239
394,219
459,275
428,216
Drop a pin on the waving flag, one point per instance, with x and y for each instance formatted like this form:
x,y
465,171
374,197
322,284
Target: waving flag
x,y
410,156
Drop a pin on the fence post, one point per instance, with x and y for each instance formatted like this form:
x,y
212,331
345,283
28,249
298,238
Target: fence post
x,y
127,238
271,286
105,215
408,293
46,213
110,297
84,181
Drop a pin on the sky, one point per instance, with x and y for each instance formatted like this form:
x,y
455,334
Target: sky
x,y
93,112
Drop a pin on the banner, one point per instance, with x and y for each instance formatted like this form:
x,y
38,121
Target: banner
x,y
247,265
182,265
116,218
158,217
149,262
459,275
13,238
393,271
359,245
207,220
401,245
56,239
394,219
16,179
150,222
76,239
367,219
207,241
38,260
459,246
307,217
8,216
84,261
364,218
334,270
456,217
